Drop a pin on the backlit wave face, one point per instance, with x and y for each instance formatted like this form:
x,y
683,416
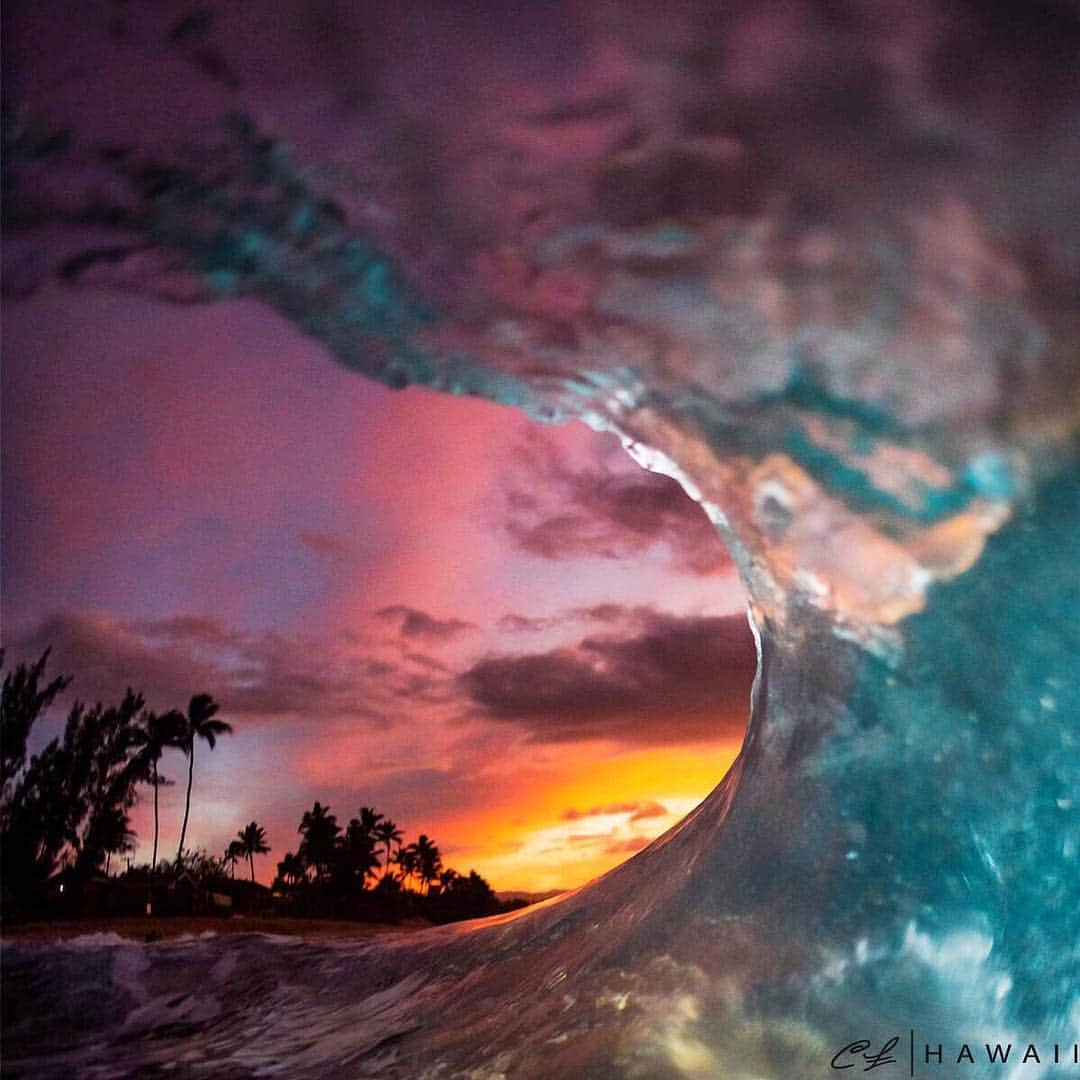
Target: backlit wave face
x,y
819,267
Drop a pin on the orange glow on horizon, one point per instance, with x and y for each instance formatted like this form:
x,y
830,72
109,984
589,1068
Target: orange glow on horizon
x,y
529,843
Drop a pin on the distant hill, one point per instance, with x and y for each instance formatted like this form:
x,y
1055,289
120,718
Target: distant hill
x,y
529,897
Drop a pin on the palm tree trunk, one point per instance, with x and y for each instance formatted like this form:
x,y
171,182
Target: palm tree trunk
x,y
251,863
153,861
187,801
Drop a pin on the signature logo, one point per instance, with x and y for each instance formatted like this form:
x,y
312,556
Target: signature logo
x,y
862,1055
859,1053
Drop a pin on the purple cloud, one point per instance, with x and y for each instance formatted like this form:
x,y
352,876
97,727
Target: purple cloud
x,y
594,511
664,679
412,623
267,675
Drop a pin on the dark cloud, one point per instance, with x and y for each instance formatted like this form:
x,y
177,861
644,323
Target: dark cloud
x,y
608,514
665,679
260,674
419,624
638,811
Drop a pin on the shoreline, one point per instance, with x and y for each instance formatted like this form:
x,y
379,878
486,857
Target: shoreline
x,y
147,929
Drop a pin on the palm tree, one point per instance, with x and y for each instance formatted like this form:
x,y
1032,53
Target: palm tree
x,y
198,724
233,854
251,841
448,878
369,822
386,832
157,734
407,860
357,854
424,859
115,834
291,870
320,831
429,861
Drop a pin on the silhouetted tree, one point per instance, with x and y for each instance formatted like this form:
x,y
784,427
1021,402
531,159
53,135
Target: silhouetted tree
x,y
387,833
320,831
252,841
357,851
291,870
233,854
447,878
69,802
203,868
369,819
425,860
461,897
199,723
407,861
22,702
116,834
104,744
69,805
158,733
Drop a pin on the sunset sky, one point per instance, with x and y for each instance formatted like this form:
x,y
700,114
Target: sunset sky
x,y
505,635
